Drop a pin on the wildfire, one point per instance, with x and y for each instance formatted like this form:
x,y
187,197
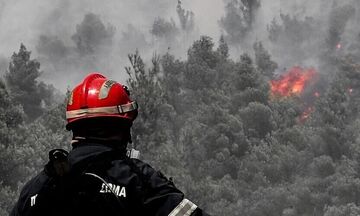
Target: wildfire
x,y
338,46
293,82
305,115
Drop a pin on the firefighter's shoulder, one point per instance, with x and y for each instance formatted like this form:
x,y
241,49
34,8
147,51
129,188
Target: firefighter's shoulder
x,y
160,195
29,193
131,167
164,193
150,174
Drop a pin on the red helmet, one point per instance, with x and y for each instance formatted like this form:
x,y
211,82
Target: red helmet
x,y
97,96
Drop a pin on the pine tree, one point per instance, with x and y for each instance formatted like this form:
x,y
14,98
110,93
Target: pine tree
x,y
274,30
263,60
151,131
343,210
202,60
339,17
186,18
164,29
11,119
223,48
22,81
91,34
239,19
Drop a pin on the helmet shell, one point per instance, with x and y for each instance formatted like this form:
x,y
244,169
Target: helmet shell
x,y
97,97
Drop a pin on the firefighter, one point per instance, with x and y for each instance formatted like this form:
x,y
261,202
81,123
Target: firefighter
x,y
100,177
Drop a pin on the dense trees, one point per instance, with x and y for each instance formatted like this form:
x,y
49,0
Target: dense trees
x,y
91,34
338,19
265,65
164,29
209,122
24,137
246,153
173,33
22,81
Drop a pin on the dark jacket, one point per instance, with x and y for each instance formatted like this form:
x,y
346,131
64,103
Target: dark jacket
x,y
103,181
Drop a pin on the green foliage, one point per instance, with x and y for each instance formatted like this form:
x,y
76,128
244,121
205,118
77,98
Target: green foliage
x,y
263,61
22,81
168,35
164,29
186,18
24,145
11,118
211,123
200,73
257,120
350,209
243,152
274,30
239,19
223,48
7,198
339,17
150,130
92,34
246,75
292,30
295,38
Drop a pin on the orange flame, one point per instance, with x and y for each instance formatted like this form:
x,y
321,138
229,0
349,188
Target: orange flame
x,y
293,82
306,114
338,46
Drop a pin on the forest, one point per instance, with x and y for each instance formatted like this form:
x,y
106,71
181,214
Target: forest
x,y
239,131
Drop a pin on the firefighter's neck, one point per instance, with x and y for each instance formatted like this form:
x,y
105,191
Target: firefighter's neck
x,y
109,140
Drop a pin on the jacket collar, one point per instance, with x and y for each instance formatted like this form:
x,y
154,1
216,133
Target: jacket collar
x,y
84,152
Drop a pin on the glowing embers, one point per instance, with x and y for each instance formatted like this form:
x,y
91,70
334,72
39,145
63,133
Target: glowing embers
x,y
306,114
293,82
338,46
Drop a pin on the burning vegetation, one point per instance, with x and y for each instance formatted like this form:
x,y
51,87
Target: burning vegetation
x,y
293,82
297,149
306,114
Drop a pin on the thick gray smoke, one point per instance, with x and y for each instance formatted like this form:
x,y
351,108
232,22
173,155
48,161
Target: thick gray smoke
x,y
72,38
307,33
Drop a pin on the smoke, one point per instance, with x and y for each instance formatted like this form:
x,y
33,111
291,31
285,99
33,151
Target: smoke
x,y
303,32
73,38
92,35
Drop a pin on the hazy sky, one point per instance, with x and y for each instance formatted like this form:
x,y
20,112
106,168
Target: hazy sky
x,y
24,21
